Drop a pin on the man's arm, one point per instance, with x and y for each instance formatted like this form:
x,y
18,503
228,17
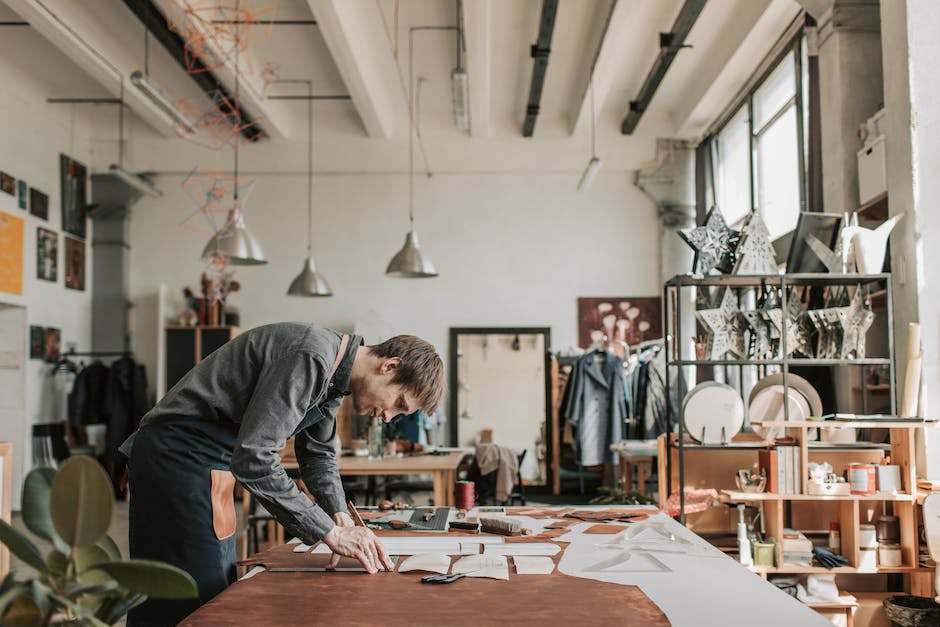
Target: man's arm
x,y
315,448
279,402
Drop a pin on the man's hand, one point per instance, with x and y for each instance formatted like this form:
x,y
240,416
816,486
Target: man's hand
x,y
358,542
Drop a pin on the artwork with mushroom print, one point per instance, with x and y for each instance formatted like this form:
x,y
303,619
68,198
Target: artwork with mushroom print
x,y
627,319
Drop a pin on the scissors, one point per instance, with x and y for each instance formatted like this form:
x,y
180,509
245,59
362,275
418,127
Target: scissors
x,y
442,578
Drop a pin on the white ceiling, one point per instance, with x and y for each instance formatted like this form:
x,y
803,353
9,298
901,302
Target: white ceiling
x,y
720,59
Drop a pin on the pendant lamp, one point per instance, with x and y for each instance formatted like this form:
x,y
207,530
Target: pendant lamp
x,y
234,242
309,282
410,262
592,167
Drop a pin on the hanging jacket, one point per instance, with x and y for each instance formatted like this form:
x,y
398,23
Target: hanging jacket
x,y
125,404
596,405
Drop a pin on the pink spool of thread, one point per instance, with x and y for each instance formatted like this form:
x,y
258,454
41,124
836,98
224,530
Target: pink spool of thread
x,y
464,495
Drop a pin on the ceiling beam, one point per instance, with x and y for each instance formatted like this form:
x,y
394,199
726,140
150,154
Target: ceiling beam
x,y
670,44
477,30
607,60
540,51
101,59
355,35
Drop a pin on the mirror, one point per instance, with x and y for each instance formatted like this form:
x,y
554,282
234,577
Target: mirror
x,y
499,392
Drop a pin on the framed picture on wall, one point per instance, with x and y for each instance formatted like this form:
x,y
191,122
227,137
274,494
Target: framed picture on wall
x,y
53,344
627,319
7,184
38,203
74,263
37,342
74,178
22,191
47,254
11,253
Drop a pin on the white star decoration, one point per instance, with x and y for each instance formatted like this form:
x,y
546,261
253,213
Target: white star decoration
x,y
855,320
725,333
714,243
755,253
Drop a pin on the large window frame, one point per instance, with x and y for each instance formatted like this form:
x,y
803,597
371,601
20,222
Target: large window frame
x,y
794,49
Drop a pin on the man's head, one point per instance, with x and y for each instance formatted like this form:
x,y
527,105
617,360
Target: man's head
x,y
399,376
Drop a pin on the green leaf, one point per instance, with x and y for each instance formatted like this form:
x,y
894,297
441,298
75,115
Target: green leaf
x,y
77,589
57,563
10,595
109,546
39,594
154,579
21,547
87,556
36,490
23,612
81,501
122,607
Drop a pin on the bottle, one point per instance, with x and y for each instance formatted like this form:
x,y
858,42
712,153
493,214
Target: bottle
x,y
835,538
744,544
375,439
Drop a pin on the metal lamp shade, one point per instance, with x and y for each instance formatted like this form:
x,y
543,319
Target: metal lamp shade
x,y
235,243
309,282
410,262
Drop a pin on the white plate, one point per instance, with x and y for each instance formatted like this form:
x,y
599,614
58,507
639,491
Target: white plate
x,y
767,406
713,412
795,382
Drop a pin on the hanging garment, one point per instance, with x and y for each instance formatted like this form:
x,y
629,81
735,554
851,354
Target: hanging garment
x,y
125,404
88,400
502,460
596,405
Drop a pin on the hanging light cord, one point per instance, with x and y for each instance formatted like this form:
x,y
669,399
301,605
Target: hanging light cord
x,y
411,130
121,126
235,104
309,168
593,124
146,39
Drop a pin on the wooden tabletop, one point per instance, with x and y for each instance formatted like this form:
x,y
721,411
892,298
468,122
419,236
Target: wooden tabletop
x,y
407,465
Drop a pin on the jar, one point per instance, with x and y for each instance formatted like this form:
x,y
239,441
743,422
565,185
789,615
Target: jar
x,y
888,530
867,559
835,539
867,539
862,478
889,555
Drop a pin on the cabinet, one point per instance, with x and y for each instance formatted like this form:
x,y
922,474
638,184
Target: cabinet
x,y
187,346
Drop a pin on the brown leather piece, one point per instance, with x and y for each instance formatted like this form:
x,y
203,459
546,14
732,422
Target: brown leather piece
x,y
538,513
561,524
401,599
605,529
613,514
222,494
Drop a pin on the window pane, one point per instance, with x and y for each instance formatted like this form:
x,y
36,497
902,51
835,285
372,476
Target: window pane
x,y
733,168
778,174
779,87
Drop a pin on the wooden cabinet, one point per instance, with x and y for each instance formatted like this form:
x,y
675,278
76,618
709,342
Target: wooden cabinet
x,y
187,346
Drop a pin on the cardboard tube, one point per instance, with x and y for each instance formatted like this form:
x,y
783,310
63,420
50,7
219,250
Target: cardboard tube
x,y
911,386
913,340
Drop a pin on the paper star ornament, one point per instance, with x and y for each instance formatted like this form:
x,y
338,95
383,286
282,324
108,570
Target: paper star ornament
x,y
855,321
714,244
725,330
755,254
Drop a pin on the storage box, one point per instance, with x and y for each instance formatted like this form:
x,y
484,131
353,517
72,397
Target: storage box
x,y
828,489
872,171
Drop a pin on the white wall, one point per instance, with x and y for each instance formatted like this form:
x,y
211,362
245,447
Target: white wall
x,y
34,133
512,250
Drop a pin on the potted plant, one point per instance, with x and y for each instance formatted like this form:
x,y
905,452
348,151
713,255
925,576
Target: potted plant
x,y
83,580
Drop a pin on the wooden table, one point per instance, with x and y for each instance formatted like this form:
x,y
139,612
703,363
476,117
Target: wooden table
x,y
442,467
641,457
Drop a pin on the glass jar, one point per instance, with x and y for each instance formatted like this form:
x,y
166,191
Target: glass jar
x,y
376,445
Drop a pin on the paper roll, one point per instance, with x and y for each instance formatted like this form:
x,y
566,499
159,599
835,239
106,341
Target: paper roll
x,y
911,386
913,340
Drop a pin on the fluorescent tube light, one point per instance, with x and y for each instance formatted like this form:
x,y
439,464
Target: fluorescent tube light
x,y
589,173
182,121
134,180
460,94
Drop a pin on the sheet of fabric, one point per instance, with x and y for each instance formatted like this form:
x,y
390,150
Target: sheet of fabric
x,y
503,460
268,384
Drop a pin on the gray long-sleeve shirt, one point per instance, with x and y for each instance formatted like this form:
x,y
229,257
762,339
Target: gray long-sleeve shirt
x,y
273,382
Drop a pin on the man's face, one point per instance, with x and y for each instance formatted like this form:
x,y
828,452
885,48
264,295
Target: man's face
x,y
375,395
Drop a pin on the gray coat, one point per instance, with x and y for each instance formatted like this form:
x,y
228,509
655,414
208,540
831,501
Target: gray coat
x,y
596,405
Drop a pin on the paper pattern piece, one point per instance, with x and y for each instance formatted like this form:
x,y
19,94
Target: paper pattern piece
x,y
426,562
413,545
522,548
492,566
533,565
303,548
604,529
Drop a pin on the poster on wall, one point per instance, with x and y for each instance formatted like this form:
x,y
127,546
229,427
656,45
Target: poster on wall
x,y
38,203
53,344
11,253
22,190
73,177
37,342
621,319
74,263
47,254
7,184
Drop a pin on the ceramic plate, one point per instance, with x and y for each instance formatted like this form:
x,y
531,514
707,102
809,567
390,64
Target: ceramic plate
x,y
713,412
767,406
794,381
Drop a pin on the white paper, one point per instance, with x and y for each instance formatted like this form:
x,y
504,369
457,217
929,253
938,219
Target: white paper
x,y
302,548
413,545
522,548
428,562
293,541
533,565
492,566
320,549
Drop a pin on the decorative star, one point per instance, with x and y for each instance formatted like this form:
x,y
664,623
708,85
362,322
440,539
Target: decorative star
x,y
714,244
725,331
855,321
832,259
760,344
755,254
800,329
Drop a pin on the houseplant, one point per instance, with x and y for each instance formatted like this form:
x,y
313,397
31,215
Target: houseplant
x,y
83,580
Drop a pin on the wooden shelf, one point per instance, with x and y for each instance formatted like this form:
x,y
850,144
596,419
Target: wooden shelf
x,y
733,496
841,570
875,209
847,424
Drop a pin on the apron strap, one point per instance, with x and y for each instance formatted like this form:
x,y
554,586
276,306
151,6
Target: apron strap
x,y
339,355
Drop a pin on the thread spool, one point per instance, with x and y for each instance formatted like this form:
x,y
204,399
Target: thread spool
x,y
464,494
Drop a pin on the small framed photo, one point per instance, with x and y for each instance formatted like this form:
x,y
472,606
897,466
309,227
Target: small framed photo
x,y
53,344
22,194
7,184
74,264
38,203
74,179
37,342
47,254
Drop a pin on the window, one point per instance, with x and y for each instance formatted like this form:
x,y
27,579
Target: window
x,y
757,152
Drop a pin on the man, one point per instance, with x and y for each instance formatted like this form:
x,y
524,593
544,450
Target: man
x,y
235,410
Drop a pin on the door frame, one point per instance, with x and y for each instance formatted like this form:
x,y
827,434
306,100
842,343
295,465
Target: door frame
x,y
546,333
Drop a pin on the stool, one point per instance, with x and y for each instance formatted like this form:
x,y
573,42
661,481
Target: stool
x,y
644,470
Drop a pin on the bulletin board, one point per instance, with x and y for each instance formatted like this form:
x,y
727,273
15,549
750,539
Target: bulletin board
x,y
11,254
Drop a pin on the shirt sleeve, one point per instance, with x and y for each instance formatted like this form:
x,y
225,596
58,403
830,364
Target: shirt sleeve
x,y
283,392
315,448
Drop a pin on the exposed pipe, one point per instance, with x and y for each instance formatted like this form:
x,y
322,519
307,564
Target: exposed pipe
x,y
669,45
539,51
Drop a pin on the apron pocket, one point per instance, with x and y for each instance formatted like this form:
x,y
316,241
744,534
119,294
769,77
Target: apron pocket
x,y
223,503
